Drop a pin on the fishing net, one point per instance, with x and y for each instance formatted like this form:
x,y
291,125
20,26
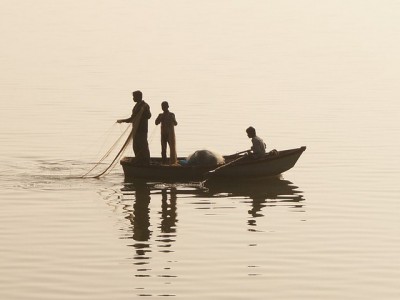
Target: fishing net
x,y
205,158
131,136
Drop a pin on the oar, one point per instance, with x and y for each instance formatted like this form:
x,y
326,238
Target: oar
x,y
238,153
212,172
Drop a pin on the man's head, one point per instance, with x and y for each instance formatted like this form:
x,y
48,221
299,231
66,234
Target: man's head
x,y
137,96
164,106
251,132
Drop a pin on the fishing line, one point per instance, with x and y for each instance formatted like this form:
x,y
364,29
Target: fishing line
x,y
107,136
108,152
114,162
135,125
152,135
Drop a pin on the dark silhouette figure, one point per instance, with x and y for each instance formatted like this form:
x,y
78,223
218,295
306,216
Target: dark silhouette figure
x,y
258,148
168,214
168,122
140,144
140,220
257,204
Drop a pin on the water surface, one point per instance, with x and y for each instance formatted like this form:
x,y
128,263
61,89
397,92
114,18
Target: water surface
x,y
311,73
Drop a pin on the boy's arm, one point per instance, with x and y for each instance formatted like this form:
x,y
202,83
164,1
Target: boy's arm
x,y
158,120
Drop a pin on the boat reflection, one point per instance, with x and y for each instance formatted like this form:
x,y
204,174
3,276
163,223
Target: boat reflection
x,y
260,193
162,234
272,188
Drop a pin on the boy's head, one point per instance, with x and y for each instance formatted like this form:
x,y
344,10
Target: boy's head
x,y
164,106
251,132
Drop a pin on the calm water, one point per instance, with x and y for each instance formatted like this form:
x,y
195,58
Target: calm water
x,y
324,75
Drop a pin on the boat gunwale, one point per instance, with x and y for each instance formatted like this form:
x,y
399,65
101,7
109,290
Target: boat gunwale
x,y
288,152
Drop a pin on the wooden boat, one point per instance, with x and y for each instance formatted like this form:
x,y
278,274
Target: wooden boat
x,y
235,167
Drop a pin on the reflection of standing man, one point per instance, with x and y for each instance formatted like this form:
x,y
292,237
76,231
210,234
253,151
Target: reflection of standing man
x,y
141,211
141,110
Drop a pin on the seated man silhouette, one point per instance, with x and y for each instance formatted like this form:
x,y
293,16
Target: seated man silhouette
x,y
258,147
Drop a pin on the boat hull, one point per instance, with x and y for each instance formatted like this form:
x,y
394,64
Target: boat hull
x,y
155,172
242,167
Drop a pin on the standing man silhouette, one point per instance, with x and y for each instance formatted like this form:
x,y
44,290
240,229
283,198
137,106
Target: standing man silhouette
x,y
141,110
